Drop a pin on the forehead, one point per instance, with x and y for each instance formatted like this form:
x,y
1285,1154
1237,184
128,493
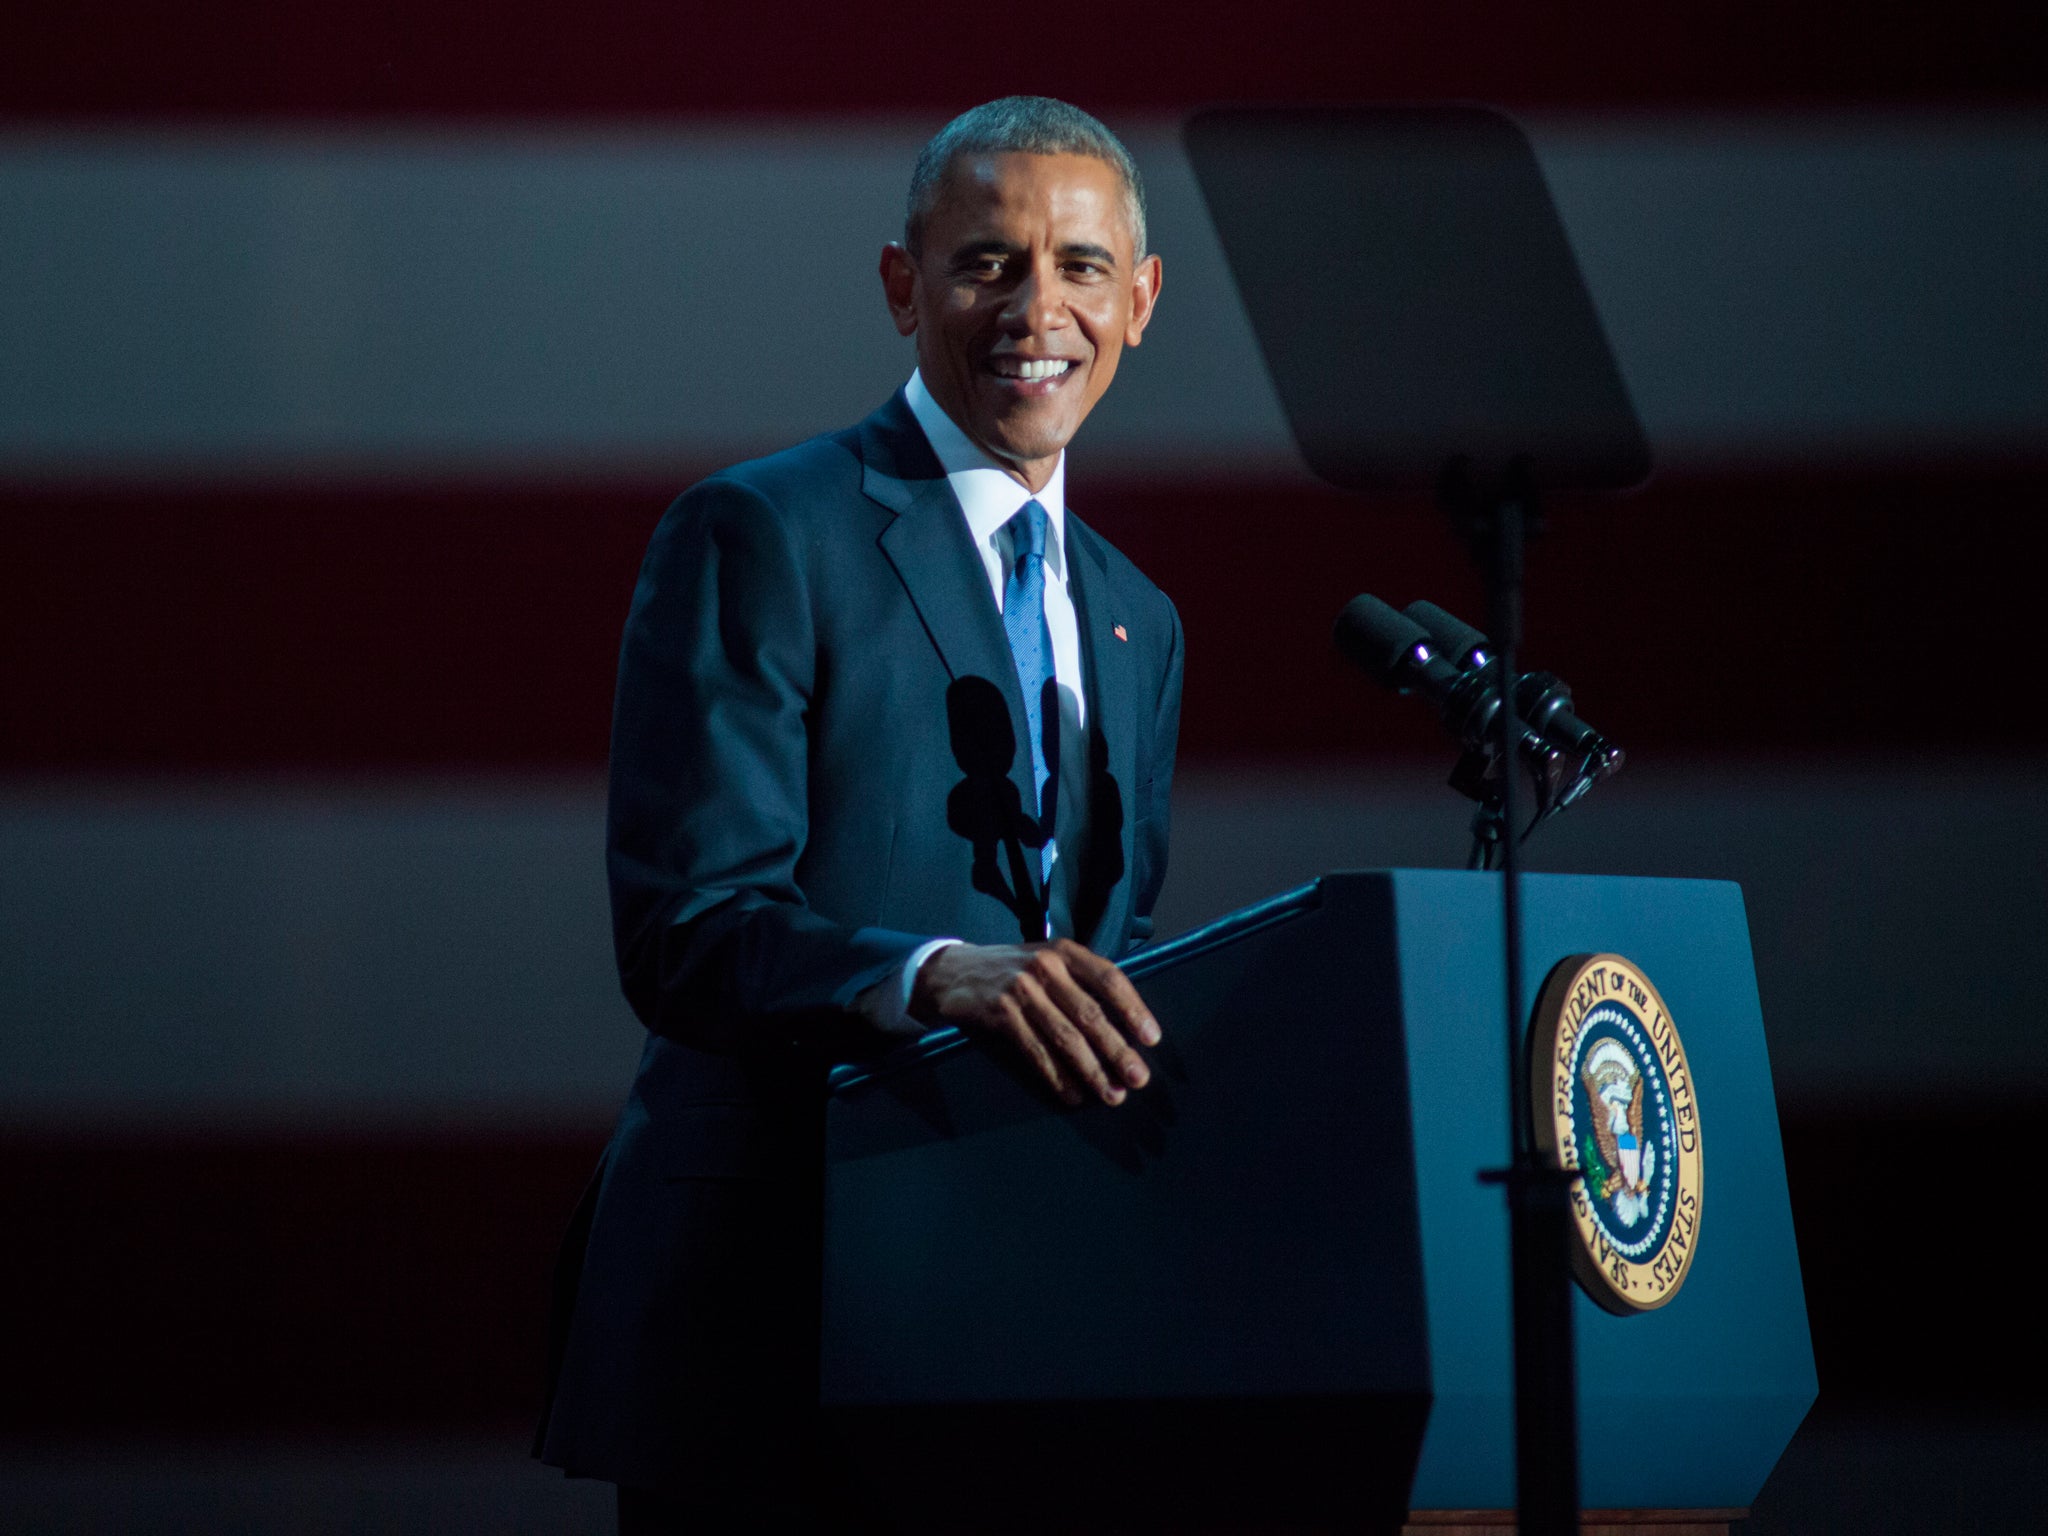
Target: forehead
x,y
1018,197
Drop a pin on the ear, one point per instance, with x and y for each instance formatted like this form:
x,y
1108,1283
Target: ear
x,y
1145,283
899,286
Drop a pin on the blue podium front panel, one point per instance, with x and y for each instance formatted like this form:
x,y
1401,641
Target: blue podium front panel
x,y
1691,1405
1245,1225
1178,1306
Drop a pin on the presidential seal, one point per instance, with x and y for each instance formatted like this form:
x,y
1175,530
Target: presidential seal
x,y
1613,1097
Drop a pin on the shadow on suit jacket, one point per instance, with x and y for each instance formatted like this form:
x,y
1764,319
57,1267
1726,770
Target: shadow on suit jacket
x,y
779,839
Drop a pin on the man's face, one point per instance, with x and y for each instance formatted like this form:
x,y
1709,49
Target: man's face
x,y
1023,298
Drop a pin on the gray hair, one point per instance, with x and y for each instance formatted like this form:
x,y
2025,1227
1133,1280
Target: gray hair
x,y
1031,125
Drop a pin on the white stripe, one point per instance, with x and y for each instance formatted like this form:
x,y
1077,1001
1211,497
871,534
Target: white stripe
x,y
421,952
395,304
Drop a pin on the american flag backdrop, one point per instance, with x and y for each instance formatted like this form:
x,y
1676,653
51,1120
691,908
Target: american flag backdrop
x,y
349,354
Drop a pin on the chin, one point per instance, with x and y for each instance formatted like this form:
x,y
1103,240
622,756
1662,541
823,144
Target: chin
x,y
1029,450
1031,441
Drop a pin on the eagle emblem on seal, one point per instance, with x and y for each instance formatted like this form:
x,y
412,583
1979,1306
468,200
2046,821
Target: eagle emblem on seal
x,y
1619,1165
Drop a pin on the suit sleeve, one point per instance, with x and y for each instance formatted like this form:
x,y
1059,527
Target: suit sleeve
x,y
708,812
1149,837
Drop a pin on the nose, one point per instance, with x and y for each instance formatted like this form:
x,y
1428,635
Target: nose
x,y
1034,305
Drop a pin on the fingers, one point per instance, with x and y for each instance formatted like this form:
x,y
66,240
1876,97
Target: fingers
x,y
1087,1011
1061,1036
1069,1013
1020,1031
1113,988
979,987
1109,1047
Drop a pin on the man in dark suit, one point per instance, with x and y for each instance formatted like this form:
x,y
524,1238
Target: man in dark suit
x,y
892,748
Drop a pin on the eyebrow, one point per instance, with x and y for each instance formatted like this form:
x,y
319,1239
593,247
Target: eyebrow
x,y
978,248
1093,252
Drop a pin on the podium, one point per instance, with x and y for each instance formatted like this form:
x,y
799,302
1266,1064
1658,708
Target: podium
x,y
1270,1291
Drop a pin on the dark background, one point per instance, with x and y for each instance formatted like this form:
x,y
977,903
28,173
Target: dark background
x,y
235,1244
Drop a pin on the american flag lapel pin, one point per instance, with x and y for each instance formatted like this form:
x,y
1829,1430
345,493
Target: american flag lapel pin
x,y
1119,633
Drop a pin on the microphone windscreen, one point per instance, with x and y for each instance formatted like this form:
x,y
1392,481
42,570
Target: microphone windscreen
x,y
1454,638
1374,636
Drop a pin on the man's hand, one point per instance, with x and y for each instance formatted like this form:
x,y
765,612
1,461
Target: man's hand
x,y
1067,1011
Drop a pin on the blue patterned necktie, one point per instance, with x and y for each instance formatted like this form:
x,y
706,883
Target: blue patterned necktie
x,y
1031,648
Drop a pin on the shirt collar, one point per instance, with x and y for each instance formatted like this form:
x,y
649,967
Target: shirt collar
x,y
988,495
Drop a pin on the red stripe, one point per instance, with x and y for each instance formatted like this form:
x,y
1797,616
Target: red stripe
x,y
650,58
338,629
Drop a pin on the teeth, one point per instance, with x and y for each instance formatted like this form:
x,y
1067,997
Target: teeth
x,y
1045,368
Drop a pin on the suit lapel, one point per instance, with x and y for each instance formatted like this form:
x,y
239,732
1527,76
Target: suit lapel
x,y
933,554
1113,717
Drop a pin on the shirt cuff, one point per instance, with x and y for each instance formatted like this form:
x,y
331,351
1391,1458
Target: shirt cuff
x,y
887,1003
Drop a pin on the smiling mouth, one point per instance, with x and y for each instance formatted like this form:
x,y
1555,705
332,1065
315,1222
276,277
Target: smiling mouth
x,y
1031,370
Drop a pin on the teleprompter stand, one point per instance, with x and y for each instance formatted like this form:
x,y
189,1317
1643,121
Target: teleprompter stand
x,y
1426,326
1539,1210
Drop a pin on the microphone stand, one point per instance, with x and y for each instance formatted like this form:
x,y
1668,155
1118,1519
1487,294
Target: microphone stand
x,y
1489,831
1497,522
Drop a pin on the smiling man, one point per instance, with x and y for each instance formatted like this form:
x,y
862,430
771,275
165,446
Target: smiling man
x,y
1023,277
892,747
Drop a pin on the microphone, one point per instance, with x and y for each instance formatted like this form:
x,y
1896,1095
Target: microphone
x,y
1541,698
1399,653
1391,647
1565,756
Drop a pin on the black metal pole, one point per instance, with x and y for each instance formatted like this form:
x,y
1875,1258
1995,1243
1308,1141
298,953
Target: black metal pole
x,y
1546,1394
1507,537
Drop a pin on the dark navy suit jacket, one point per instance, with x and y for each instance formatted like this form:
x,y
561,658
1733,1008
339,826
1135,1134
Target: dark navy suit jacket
x,y
789,818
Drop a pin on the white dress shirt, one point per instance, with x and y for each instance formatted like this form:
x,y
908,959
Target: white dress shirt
x,y
989,497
